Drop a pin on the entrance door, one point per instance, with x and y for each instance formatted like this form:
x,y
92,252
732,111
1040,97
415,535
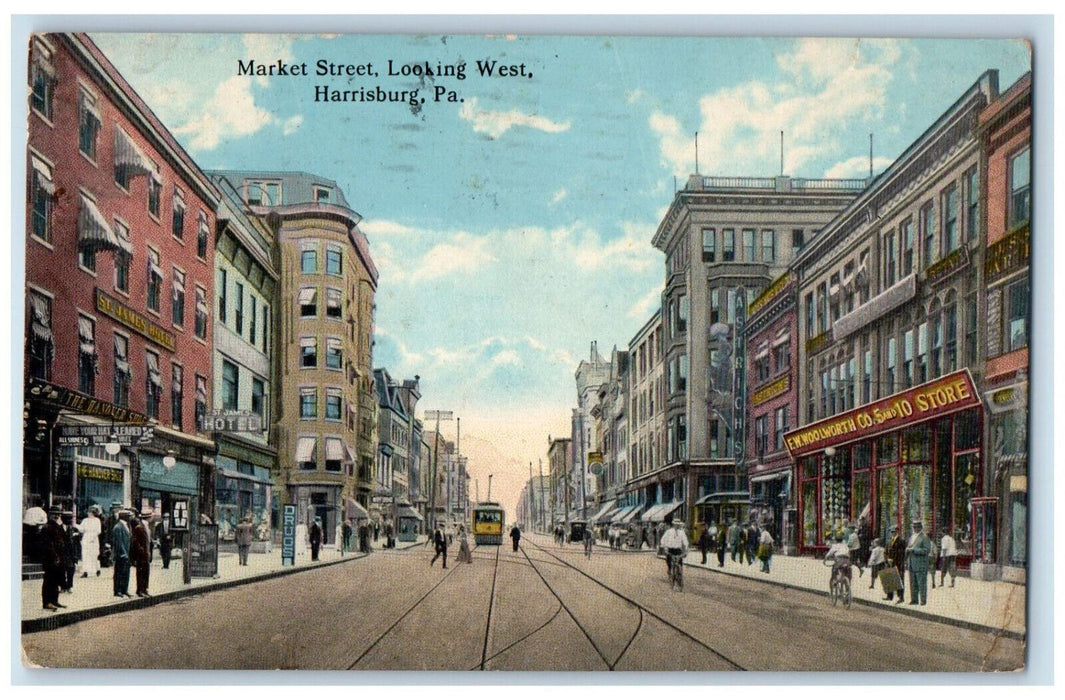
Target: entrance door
x,y
887,502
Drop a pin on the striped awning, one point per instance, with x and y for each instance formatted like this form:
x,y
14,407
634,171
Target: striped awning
x,y
43,175
153,370
307,296
334,449
86,339
94,233
305,449
41,323
129,156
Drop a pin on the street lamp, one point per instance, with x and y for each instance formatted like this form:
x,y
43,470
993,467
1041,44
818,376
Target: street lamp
x,y
112,447
830,451
168,461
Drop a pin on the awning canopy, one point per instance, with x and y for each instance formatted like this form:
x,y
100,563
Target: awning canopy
x,y
308,295
153,370
602,511
631,515
305,449
658,513
94,233
769,477
621,513
334,449
86,339
41,323
607,517
724,497
408,512
129,156
353,510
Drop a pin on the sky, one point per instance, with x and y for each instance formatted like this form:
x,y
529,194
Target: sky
x,y
511,217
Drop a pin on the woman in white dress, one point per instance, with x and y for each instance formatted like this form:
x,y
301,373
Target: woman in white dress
x,y
90,528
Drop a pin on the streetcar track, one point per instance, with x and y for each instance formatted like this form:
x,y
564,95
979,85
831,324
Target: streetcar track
x,y
519,640
640,607
491,604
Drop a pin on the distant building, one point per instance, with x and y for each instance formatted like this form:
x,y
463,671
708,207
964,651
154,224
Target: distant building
x,y
590,375
646,414
560,470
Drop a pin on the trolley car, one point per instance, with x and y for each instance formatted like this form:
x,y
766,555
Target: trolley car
x,y
488,523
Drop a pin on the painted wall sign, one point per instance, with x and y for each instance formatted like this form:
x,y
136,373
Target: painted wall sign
x,y
947,394
771,390
77,402
109,306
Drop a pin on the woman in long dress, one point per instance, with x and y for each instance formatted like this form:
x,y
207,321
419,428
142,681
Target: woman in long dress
x,y
464,546
90,528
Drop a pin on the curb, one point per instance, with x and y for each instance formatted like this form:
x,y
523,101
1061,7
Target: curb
x,y
933,617
44,624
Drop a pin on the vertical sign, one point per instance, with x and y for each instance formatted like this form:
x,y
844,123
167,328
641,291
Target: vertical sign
x,y
288,535
203,554
740,395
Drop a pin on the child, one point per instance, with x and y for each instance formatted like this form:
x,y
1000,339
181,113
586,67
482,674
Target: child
x,y
877,561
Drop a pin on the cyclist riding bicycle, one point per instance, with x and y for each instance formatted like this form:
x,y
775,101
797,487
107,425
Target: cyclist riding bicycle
x,y
840,553
675,543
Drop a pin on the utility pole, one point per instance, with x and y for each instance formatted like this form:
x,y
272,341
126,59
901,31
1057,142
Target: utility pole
x,y
540,468
532,501
458,465
438,416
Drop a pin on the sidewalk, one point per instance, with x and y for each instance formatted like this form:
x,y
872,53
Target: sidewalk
x,y
93,597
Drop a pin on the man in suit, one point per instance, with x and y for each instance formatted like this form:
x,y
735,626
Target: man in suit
x,y
121,538
166,543
918,549
440,542
71,545
52,545
896,556
245,535
722,543
753,537
141,552
316,538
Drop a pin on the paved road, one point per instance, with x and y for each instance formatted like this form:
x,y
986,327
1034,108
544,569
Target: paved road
x,y
542,608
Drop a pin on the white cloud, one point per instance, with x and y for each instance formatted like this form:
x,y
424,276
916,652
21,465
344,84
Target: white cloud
x,y
642,309
267,49
291,124
231,112
465,253
633,96
559,196
826,84
496,123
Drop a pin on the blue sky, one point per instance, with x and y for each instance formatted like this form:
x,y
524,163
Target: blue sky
x,y
513,228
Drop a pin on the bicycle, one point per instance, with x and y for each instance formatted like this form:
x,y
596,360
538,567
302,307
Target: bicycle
x,y
839,585
675,565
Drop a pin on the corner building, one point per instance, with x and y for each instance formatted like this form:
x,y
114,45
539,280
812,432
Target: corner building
x,y
322,336
725,239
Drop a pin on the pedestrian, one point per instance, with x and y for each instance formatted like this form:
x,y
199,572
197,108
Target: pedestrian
x,y
121,538
948,557
345,536
389,541
71,547
165,539
464,546
51,546
141,552
753,541
704,542
675,544
722,544
877,561
933,560
896,556
376,530
515,536
589,540
713,536
765,549
734,540
854,545
33,521
315,536
917,550
440,545
245,535
90,528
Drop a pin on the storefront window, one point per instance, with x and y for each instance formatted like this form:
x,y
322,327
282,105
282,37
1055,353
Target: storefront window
x,y
916,445
966,482
967,430
863,455
887,493
835,494
861,494
943,480
887,450
917,496
809,513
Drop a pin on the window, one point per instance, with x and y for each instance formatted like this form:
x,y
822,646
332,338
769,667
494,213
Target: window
x,y
239,315
972,207
332,303
822,308
1017,318
321,195
122,260
87,363
177,311
42,193
889,259
936,359
230,385
201,401
88,124
333,354
334,454
867,377
123,373
730,306
797,238
333,261
709,244
728,246
308,301
781,427
260,193
201,313
155,280
309,262
266,327
769,246
715,305
749,246
761,434
203,232
333,405
810,315
928,234
153,385
782,355
833,297
889,376
951,316
951,237
922,353
223,294
177,226
258,397
683,309
970,328
155,193
907,358
254,319
1020,188
906,234
177,396
42,80
308,402
308,352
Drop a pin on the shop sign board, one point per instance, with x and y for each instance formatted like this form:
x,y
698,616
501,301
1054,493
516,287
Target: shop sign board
x,y
288,535
77,402
950,393
233,422
125,435
203,555
109,306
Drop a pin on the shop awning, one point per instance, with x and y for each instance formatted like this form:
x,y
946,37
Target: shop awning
x,y
43,175
631,515
129,156
334,449
350,456
768,477
353,510
41,323
305,449
620,513
94,233
408,512
602,511
659,512
607,517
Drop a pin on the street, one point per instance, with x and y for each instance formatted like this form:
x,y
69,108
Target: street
x,y
544,608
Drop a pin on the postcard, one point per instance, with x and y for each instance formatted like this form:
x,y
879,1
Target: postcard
x,y
526,352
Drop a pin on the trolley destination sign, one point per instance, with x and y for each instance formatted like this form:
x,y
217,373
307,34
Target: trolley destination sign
x,y
953,392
